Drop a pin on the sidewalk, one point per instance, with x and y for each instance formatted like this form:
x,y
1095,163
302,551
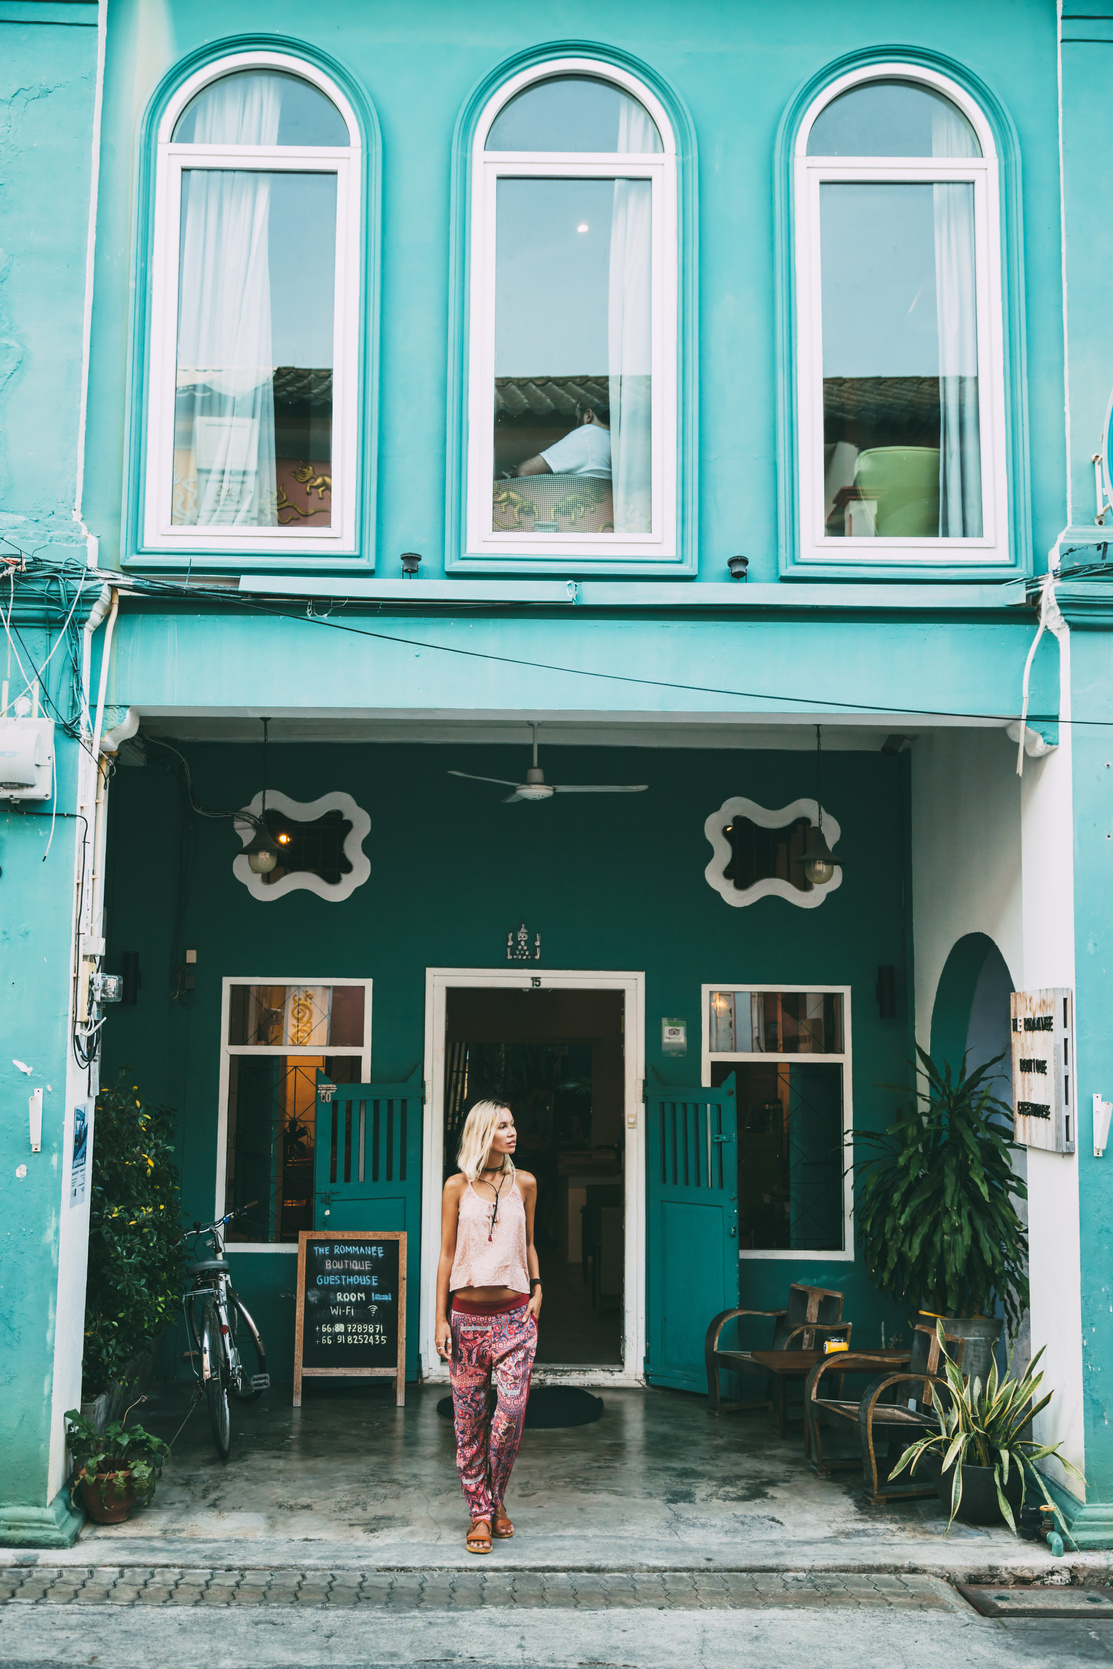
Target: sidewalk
x,y
349,1483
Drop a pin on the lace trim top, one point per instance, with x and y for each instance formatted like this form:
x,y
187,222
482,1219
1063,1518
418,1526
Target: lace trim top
x,y
491,1255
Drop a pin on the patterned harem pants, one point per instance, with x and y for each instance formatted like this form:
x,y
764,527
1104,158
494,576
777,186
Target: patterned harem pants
x,y
485,1342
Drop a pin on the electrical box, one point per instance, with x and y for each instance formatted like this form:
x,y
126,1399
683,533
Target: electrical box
x,y
1043,1070
26,759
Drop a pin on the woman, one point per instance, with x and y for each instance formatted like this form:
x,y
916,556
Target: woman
x,y
488,1301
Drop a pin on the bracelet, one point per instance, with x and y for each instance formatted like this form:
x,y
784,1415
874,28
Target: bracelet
x,y
532,1284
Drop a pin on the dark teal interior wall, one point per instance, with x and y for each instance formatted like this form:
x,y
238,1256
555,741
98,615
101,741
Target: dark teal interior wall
x,y
736,65
608,882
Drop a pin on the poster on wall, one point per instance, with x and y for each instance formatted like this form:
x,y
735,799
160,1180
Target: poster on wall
x,y
79,1153
1043,1070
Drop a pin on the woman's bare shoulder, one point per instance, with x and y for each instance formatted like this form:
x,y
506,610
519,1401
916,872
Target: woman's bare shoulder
x,y
525,1179
455,1186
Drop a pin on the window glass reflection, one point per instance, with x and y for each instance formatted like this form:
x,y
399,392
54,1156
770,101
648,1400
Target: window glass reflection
x,y
254,387
261,107
902,447
573,113
573,356
296,1016
775,1022
892,118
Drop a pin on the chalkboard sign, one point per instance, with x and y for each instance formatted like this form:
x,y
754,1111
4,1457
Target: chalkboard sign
x,y
351,1308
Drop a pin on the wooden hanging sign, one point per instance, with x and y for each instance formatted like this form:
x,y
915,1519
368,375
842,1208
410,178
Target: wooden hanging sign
x,y
351,1308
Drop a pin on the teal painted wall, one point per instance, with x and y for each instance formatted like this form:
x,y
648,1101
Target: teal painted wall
x,y
735,68
1092,681
47,88
608,883
35,944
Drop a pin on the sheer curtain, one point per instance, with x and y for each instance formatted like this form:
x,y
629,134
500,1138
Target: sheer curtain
x,y
960,474
225,404
629,333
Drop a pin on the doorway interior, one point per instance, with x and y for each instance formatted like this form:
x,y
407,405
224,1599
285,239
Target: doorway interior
x,y
557,1053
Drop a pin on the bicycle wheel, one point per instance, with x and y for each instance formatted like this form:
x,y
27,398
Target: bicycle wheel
x,y
248,1353
213,1358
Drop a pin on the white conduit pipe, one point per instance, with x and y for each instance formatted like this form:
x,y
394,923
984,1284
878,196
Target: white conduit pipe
x,y
100,820
96,615
1050,620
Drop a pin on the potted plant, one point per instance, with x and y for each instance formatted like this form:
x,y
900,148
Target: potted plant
x,y
981,1443
115,1467
935,1208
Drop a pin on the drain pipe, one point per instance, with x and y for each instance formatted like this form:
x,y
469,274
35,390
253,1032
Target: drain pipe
x,y
100,820
1051,620
96,615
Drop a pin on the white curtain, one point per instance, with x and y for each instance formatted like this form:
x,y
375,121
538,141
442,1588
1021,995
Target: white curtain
x,y
630,334
960,474
225,357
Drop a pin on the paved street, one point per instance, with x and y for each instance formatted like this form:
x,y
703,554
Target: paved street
x,y
290,1619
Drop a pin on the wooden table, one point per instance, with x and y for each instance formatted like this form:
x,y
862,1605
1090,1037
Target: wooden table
x,y
798,1364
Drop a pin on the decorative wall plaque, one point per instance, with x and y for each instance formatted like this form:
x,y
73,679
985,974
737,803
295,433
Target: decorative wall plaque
x,y
1043,1070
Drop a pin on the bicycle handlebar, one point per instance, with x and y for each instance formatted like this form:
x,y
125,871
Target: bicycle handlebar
x,y
229,1216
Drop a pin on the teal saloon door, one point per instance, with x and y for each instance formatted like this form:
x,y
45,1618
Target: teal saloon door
x,y
367,1161
692,1228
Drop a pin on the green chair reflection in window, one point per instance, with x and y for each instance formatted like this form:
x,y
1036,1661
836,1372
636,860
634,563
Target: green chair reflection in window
x,y
903,483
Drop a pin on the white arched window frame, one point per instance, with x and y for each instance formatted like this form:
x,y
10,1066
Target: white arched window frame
x,y
159,530
565,552
810,174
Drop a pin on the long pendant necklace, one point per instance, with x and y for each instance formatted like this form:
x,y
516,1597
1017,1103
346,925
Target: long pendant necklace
x,y
495,1207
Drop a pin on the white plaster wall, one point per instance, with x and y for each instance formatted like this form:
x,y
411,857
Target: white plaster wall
x,y
991,853
966,853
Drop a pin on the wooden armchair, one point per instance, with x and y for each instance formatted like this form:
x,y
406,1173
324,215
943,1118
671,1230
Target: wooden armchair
x,y
876,1417
811,1315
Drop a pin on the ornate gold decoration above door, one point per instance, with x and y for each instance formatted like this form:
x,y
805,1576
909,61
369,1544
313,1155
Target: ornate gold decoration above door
x,y
759,853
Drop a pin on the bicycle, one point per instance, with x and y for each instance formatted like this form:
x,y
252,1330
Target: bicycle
x,y
224,1341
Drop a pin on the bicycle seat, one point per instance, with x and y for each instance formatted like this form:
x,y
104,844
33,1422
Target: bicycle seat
x,y
209,1266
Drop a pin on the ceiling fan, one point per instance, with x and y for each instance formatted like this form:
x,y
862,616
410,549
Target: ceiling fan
x,y
536,788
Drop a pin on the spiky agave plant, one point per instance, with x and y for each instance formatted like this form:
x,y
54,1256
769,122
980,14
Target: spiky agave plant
x,y
935,1214
983,1425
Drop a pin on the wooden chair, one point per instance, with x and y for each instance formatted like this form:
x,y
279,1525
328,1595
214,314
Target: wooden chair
x,y
876,1417
811,1315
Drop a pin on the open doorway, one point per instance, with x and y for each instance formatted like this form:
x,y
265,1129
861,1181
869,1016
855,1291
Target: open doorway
x,y
556,1057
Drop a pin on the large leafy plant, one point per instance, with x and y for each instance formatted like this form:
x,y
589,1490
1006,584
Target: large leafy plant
x,y
984,1425
135,1252
123,1456
935,1207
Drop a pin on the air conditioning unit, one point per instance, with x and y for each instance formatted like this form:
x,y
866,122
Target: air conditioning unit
x,y
26,759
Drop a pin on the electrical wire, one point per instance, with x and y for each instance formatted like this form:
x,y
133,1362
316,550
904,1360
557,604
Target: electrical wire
x,y
147,586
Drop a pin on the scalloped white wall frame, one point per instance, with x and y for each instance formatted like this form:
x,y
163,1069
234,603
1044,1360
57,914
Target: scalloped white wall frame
x,y
772,888
307,811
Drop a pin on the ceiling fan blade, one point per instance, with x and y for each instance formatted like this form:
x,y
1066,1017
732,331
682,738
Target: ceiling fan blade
x,y
508,799
599,788
503,782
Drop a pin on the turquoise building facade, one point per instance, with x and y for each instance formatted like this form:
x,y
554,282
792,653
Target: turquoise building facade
x,y
806,308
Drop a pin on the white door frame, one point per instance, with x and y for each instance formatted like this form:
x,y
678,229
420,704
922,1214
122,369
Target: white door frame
x,y
438,982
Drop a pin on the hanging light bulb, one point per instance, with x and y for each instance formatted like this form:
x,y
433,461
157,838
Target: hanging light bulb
x,y
819,860
261,852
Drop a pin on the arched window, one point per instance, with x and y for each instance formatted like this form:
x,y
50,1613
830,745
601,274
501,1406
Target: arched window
x,y
899,341
251,434
572,375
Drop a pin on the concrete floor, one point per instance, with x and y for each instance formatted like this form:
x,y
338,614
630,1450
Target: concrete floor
x,y
654,1484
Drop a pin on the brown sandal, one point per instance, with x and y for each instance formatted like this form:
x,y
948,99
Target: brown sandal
x,y
479,1541
501,1527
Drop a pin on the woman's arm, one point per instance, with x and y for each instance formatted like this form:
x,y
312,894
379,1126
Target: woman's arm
x,y
528,1186
450,1217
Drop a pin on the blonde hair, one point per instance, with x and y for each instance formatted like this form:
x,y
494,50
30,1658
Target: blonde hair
x,y
475,1142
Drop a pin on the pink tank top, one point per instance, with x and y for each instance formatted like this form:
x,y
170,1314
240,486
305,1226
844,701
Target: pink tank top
x,y
489,1256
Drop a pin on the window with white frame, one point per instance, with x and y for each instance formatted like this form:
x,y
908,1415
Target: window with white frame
x,y
572,377
788,1049
251,438
899,335
277,1037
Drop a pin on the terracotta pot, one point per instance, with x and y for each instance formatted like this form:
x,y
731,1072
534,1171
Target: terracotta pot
x,y
104,1501
979,1504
